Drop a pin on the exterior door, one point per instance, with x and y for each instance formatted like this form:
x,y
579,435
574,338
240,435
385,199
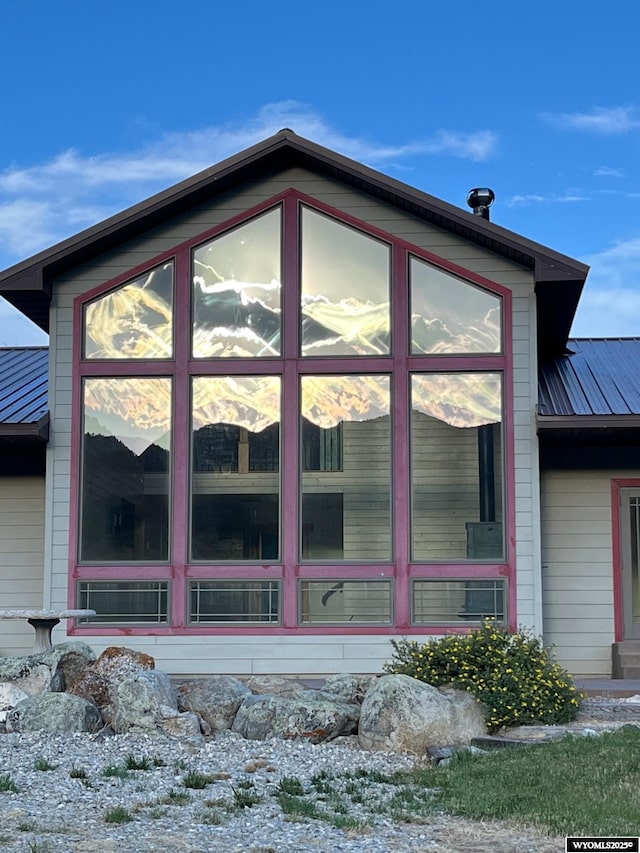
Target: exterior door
x,y
630,553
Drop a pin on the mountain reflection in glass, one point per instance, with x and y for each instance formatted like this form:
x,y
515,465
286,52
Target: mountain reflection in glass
x,y
345,289
125,470
235,481
449,315
456,467
346,498
134,320
236,291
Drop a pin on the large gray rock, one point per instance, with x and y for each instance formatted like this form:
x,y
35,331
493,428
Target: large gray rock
x,y
348,687
215,699
402,714
58,713
99,682
261,717
52,670
141,700
10,695
275,685
185,726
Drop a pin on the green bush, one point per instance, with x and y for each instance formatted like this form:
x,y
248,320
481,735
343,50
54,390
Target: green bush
x,y
512,674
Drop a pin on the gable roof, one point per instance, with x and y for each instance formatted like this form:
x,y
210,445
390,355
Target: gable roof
x,y
24,416
559,279
594,385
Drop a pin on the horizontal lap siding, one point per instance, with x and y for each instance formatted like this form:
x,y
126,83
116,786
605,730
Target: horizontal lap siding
x,y
259,654
577,556
21,557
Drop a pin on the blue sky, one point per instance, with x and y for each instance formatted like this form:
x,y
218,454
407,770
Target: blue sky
x,y
105,104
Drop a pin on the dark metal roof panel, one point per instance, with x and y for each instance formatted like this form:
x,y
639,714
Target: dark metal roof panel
x,y
23,385
596,377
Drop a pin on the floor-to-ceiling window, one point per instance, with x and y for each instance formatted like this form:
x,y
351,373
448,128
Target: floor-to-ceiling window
x,y
293,422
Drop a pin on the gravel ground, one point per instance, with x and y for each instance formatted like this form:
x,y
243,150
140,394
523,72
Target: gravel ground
x,y
64,796
65,808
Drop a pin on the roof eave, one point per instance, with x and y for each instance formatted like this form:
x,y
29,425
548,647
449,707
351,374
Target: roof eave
x,y
37,430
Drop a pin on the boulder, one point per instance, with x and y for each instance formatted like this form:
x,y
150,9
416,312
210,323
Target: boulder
x,y
274,685
57,713
349,688
10,695
215,699
402,714
185,726
261,717
99,682
140,700
51,670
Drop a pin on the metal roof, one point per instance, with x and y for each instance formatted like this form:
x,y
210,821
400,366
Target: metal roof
x,y
558,278
596,379
23,393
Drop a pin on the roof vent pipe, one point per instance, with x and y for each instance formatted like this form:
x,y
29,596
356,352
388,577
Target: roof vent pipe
x,y
480,200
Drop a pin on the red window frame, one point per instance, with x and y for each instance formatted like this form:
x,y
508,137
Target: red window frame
x,y
400,364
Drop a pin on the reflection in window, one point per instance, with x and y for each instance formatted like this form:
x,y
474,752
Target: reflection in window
x,y
131,602
235,505
350,602
345,289
234,601
346,510
456,467
236,291
125,469
133,321
437,601
449,315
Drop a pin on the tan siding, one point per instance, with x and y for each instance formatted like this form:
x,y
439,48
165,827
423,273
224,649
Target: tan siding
x,y
21,557
577,568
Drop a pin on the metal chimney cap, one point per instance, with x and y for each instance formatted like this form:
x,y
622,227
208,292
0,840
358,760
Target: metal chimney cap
x,y
480,199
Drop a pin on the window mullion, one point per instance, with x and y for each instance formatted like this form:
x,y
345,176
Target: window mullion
x,y
400,391
182,443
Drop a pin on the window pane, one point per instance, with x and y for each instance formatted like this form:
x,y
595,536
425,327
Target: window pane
x,y
458,600
235,468
345,601
134,321
456,456
450,315
345,289
235,601
346,501
126,470
236,291
124,601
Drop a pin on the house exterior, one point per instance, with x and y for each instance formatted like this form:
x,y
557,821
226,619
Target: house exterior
x,y
297,408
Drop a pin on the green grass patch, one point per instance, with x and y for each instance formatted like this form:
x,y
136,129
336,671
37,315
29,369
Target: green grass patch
x,y
576,786
118,815
197,781
291,785
133,763
176,798
245,798
7,785
43,764
78,773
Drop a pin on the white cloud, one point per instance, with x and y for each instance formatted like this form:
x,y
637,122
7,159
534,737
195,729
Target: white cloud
x,y
46,202
534,198
599,120
610,304
608,172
